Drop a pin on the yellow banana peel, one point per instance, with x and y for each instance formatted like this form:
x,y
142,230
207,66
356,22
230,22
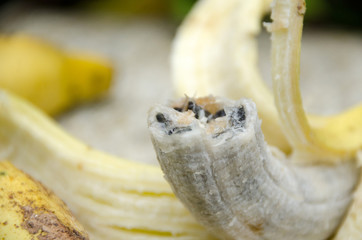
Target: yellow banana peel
x,y
30,211
113,198
49,78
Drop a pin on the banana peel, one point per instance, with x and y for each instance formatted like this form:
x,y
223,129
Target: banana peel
x,y
337,138
30,211
215,52
113,198
49,78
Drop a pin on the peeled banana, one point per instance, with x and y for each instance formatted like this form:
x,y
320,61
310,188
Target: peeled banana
x,y
49,78
30,211
112,198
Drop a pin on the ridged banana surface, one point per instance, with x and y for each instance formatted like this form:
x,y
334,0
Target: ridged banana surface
x,y
215,53
112,198
29,211
215,158
51,79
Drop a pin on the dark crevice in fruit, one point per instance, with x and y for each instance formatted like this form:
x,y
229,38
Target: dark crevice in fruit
x,y
161,118
238,116
178,130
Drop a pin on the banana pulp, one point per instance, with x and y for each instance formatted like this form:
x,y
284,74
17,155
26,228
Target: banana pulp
x,y
30,211
49,78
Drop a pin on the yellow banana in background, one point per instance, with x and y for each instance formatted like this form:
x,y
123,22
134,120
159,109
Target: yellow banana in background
x,y
49,78
30,211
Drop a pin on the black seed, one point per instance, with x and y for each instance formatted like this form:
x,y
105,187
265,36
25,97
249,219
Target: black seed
x,y
238,117
177,130
178,109
195,108
241,114
207,113
160,118
220,113
190,106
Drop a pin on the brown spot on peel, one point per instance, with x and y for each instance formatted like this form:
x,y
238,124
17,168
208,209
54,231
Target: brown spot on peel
x,y
301,7
47,226
256,228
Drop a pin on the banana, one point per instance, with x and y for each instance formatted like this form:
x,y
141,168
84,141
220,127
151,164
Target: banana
x,y
206,60
215,52
49,78
112,198
214,156
30,211
117,199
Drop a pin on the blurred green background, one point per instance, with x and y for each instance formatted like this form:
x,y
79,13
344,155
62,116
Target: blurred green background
x,y
335,13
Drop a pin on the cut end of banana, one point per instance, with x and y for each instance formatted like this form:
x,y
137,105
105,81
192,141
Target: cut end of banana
x,y
216,117
213,154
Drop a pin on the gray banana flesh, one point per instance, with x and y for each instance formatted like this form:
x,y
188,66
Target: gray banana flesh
x,y
237,186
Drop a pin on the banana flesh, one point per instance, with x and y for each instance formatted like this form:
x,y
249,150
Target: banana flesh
x,y
226,175
49,78
30,211
113,198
